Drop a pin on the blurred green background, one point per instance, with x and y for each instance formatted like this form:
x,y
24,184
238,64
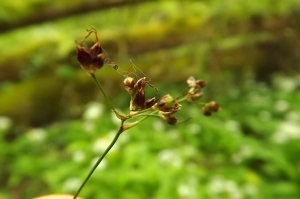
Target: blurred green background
x,y
54,123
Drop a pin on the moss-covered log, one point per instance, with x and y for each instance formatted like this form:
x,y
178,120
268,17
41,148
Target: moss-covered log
x,y
34,12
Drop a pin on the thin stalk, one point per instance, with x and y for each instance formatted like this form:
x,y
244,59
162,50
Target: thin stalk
x,y
140,112
181,99
145,117
103,92
100,160
149,115
145,110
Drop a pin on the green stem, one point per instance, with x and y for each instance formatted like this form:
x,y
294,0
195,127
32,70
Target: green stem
x,y
132,115
181,99
149,115
145,110
103,92
99,160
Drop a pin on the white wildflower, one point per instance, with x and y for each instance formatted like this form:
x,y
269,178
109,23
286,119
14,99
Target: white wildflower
x,y
5,123
219,185
232,189
170,157
265,115
173,134
115,119
71,185
292,116
250,190
194,128
285,83
78,156
244,152
233,126
102,143
281,105
158,125
286,131
37,134
186,191
94,110
88,126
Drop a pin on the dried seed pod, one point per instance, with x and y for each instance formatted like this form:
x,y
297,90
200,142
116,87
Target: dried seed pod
x,y
200,83
168,118
172,120
206,111
193,83
91,59
210,107
140,83
193,97
167,104
137,103
149,102
213,106
129,83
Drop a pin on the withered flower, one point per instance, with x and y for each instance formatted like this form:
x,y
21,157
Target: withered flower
x,y
137,92
137,103
210,107
132,86
149,102
141,83
168,118
206,111
129,83
90,59
213,106
192,82
193,96
194,92
167,104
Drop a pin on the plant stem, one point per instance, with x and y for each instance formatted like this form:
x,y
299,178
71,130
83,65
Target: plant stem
x,y
103,92
100,160
149,115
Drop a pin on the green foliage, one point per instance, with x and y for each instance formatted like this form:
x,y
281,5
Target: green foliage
x,y
248,150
